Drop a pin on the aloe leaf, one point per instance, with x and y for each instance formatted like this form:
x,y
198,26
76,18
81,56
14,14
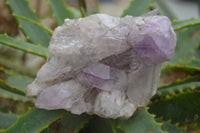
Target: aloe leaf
x,y
138,7
143,122
95,8
6,120
34,121
13,96
193,62
60,10
20,82
99,125
12,102
14,79
48,130
75,122
181,108
76,12
177,25
164,8
186,52
188,79
171,128
18,67
24,46
35,22
169,68
16,82
7,87
192,127
33,32
172,90
187,43
82,7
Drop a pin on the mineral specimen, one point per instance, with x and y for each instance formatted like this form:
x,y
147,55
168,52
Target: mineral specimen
x,y
104,65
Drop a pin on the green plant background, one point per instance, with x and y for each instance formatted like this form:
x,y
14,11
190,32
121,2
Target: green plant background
x,y
175,108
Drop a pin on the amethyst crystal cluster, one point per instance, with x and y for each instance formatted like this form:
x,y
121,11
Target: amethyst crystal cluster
x,y
104,65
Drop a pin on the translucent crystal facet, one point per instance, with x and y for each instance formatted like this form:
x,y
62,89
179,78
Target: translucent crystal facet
x,y
104,65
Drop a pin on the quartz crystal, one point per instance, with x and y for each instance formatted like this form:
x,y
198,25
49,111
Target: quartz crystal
x,y
104,65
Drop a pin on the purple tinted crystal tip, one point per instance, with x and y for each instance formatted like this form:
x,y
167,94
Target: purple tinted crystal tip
x,y
156,41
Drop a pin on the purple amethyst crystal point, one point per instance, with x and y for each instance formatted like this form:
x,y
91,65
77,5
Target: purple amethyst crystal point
x,y
156,40
104,65
105,77
99,70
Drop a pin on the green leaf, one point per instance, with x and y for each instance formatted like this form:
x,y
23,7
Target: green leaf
x,y
167,126
138,7
143,122
194,62
35,121
60,10
48,130
6,120
35,22
13,96
94,9
192,127
18,67
33,32
177,25
172,90
99,125
24,46
188,79
75,122
7,87
82,7
20,82
182,108
187,43
165,9
14,80
17,104
187,51
76,12
169,68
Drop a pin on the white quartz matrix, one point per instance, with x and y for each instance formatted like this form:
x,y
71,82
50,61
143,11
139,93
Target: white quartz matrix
x,y
104,65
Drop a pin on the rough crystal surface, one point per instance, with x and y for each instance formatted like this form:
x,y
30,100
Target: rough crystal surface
x,y
104,65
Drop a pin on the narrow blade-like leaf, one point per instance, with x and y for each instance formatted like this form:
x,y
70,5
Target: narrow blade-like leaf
x,y
169,68
75,122
177,25
7,87
171,90
99,125
165,9
143,122
186,52
13,84
138,7
13,96
171,128
33,32
6,120
24,46
182,108
34,121
60,10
